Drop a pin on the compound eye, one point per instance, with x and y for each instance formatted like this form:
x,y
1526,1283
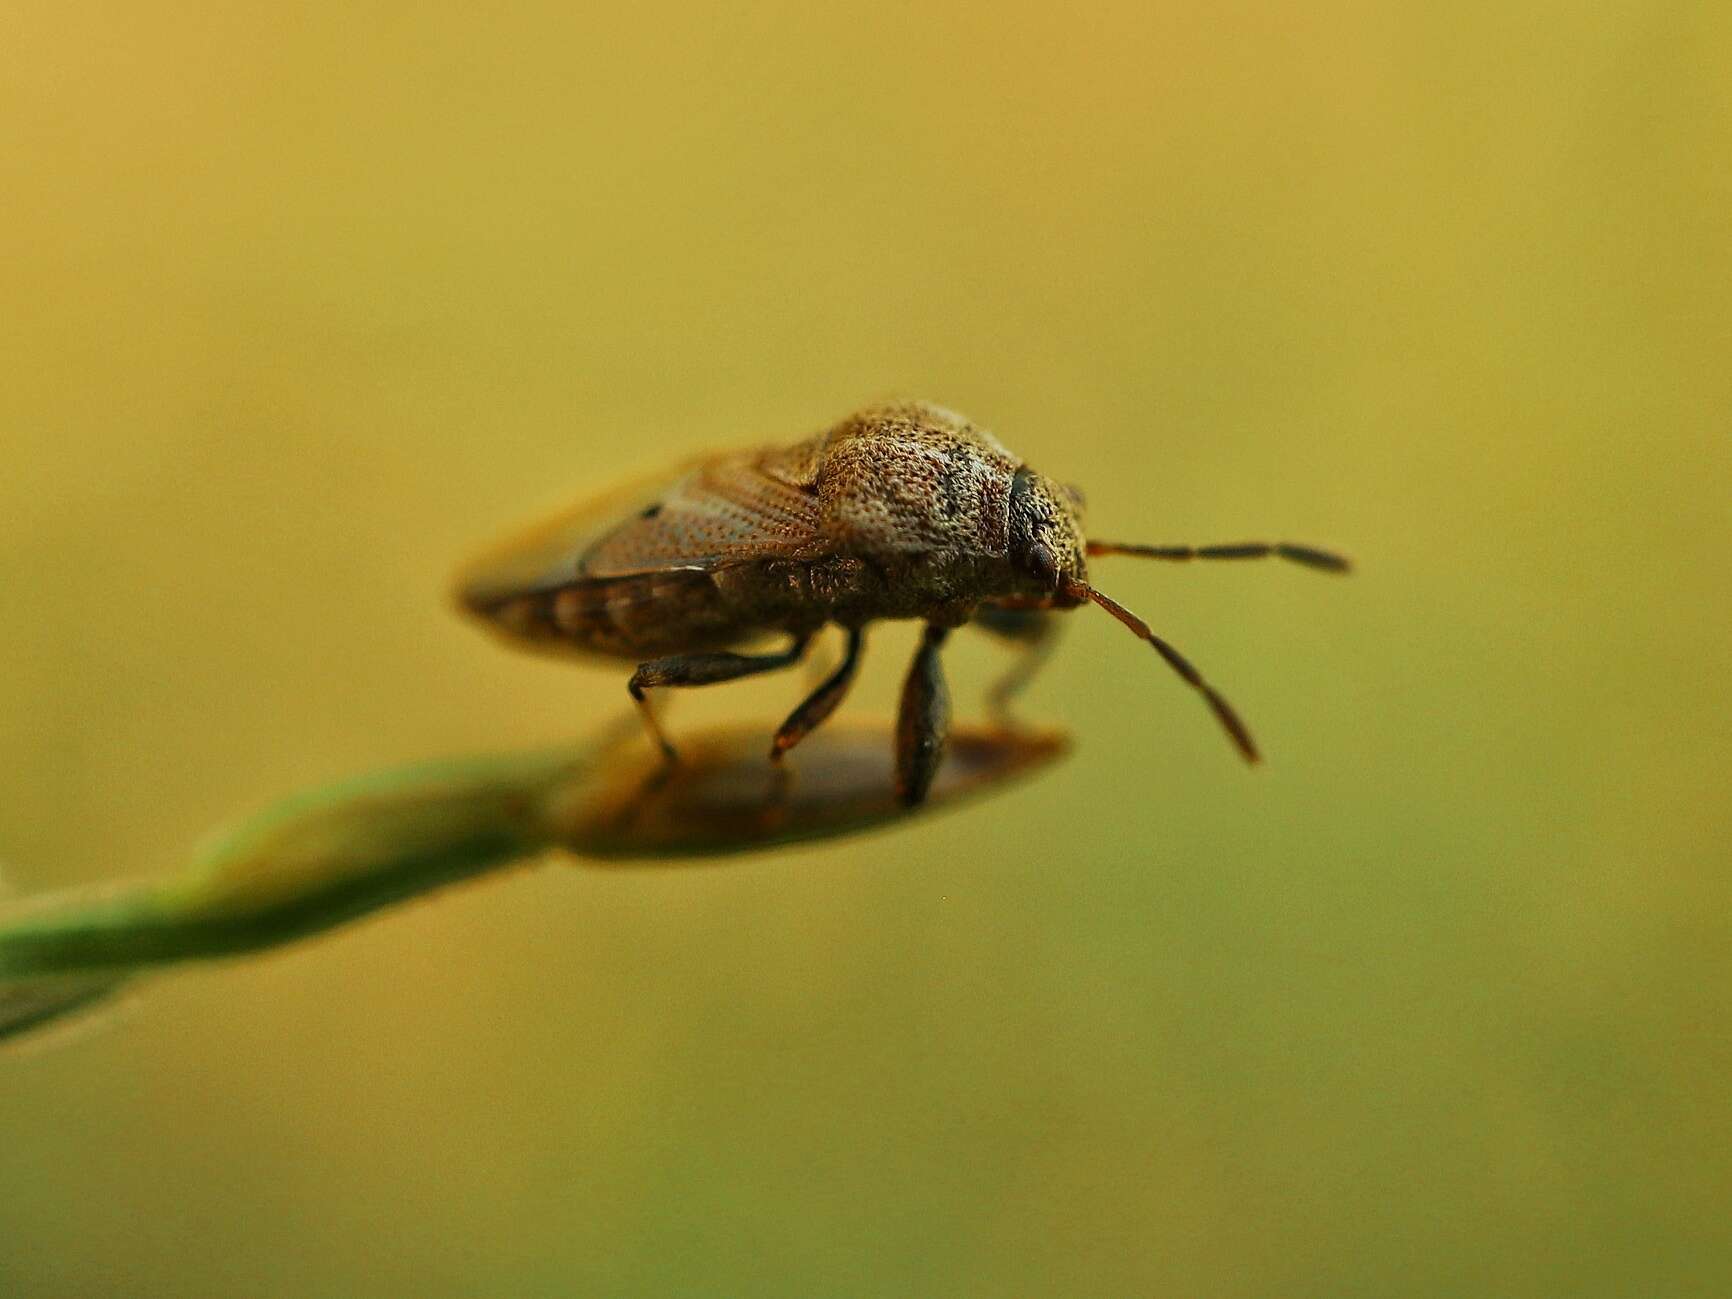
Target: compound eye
x,y
1042,564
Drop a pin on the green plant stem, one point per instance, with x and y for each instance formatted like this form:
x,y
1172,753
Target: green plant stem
x,y
307,865
317,861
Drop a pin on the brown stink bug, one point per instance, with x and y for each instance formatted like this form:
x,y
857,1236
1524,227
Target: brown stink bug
x,y
904,510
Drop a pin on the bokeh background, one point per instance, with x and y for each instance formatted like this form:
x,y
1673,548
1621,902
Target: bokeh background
x,y
301,302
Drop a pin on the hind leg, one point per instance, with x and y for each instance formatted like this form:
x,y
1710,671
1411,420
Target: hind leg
x,y
701,670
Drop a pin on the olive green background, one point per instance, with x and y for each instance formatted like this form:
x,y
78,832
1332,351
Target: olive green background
x,y
303,302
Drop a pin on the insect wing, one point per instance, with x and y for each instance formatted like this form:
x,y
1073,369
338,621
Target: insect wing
x,y
710,512
728,509
547,555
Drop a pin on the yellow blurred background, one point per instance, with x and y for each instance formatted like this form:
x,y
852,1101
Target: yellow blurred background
x,y
303,302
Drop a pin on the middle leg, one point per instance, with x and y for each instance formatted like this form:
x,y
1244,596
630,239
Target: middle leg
x,y
818,705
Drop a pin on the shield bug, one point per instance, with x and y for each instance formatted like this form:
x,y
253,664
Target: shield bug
x,y
905,510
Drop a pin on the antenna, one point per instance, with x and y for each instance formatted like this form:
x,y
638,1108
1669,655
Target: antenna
x,y
1310,556
1235,728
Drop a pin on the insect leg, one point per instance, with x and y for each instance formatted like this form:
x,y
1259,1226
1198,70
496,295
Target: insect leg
x,y
818,664
1034,632
701,670
818,705
923,720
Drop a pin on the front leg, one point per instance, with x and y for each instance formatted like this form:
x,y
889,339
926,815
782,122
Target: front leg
x,y
1034,632
923,721
701,670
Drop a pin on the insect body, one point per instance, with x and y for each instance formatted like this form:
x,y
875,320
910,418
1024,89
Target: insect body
x,y
900,511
